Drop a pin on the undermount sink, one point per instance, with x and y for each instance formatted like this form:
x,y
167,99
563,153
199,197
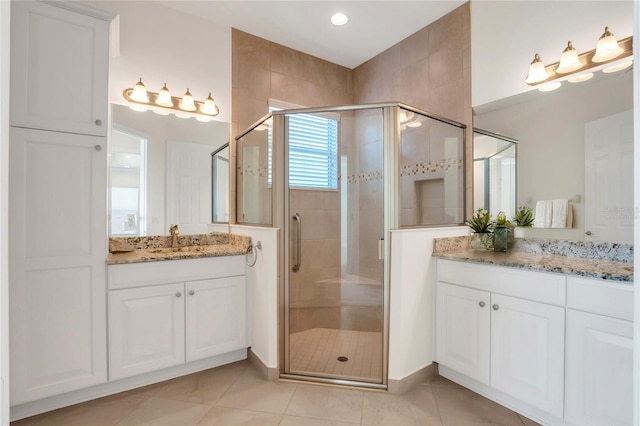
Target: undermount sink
x,y
186,249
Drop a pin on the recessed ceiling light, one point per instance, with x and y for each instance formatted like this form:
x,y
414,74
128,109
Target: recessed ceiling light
x,y
339,19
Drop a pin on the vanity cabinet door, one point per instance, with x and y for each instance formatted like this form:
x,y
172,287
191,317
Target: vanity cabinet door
x,y
527,351
57,249
216,316
462,330
599,383
59,69
146,329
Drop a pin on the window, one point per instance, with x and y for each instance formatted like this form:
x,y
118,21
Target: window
x,y
313,150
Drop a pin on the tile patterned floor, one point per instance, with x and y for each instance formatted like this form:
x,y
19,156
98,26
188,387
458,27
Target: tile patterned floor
x,y
317,351
236,394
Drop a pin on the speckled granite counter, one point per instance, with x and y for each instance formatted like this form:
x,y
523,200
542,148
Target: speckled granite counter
x,y
607,261
157,248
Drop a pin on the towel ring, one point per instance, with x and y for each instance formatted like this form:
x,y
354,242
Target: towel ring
x,y
253,248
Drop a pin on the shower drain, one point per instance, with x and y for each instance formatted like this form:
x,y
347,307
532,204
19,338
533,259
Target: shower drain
x,y
343,359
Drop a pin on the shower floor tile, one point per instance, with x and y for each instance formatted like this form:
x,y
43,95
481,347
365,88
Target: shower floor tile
x,y
317,350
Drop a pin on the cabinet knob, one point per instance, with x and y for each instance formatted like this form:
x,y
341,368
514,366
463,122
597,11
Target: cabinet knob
x,y
191,292
495,307
178,294
98,122
588,233
481,304
97,148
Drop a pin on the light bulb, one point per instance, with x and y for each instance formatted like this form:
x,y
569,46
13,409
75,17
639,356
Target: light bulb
x,y
569,61
187,103
607,48
550,86
618,67
139,93
537,73
164,97
209,106
581,77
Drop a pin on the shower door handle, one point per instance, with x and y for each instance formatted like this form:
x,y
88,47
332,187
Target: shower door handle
x,y
296,266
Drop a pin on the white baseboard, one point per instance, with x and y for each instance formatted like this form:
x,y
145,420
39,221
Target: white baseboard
x,y
32,408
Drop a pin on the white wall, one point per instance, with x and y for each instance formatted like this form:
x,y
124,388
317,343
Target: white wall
x,y
163,45
262,285
636,258
5,7
412,298
505,36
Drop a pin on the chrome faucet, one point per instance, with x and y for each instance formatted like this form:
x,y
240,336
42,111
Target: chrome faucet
x,y
173,229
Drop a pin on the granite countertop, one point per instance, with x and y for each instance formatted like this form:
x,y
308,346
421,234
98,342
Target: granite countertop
x,y
158,248
606,261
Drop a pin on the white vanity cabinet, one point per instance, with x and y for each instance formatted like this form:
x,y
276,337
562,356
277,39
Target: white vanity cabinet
x,y
57,199
59,67
503,328
163,314
599,380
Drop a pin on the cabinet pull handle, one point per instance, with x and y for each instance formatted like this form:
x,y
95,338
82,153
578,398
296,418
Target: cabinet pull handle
x,y
481,304
495,307
178,294
191,292
97,148
98,122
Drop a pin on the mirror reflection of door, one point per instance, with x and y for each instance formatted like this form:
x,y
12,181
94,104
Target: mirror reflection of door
x,y
220,182
494,173
128,198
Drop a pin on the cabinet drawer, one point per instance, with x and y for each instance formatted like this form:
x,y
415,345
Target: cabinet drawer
x,y
537,286
171,271
610,298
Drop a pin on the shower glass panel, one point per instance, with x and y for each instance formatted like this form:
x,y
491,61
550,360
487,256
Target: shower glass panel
x,y
253,174
335,192
431,170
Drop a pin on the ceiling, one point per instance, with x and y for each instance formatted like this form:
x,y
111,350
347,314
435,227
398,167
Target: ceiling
x,y
305,25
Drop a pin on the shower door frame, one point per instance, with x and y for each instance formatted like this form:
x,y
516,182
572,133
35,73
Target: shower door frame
x,y
391,188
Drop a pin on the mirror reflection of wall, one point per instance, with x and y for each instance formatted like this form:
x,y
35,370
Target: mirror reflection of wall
x,y
494,173
550,129
167,136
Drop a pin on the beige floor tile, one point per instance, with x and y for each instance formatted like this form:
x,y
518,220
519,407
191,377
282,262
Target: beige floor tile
x,y
223,416
160,411
460,406
252,392
441,381
416,407
323,402
204,387
527,421
308,421
103,411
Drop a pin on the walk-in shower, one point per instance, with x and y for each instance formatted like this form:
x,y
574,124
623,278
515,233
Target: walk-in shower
x,y
335,181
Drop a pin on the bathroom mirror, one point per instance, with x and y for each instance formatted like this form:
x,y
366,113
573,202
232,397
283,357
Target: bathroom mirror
x,y
494,173
161,172
550,129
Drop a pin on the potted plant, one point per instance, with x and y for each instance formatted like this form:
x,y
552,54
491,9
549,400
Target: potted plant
x,y
502,232
480,223
524,216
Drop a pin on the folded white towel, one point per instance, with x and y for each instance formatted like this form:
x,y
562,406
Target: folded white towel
x,y
562,214
544,214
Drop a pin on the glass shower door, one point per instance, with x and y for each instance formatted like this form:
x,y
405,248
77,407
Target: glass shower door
x,y
335,317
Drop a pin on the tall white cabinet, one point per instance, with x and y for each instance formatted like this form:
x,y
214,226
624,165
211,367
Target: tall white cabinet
x,y
57,218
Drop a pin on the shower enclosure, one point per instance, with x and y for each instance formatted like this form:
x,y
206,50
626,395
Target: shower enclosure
x,y
335,181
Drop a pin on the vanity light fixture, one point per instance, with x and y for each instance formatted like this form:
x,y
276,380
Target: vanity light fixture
x,y
163,103
608,50
569,61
